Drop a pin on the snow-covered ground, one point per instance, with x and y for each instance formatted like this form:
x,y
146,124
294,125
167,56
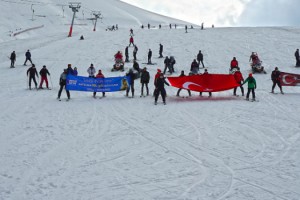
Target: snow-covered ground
x,y
203,148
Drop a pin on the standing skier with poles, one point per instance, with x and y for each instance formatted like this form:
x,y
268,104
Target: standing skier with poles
x,y
63,83
32,73
43,72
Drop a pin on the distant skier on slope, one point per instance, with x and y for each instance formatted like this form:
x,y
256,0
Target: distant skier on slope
x,y
149,56
44,72
27,57
32,72
12,59
297,58
161,48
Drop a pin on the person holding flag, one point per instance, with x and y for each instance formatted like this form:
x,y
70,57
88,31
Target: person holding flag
x,y
275,76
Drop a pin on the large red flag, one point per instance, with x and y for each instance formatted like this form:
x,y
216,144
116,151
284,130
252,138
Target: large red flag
x,y
288,79
205,82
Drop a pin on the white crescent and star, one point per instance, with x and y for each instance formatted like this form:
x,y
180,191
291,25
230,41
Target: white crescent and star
x,y
286,82
187,84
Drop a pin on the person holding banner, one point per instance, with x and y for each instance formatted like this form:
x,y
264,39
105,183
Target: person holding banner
x,y
189,91
63,83
91,71
160,88
297,58
251,87
99,75
275,76
132,77
209,93
239,79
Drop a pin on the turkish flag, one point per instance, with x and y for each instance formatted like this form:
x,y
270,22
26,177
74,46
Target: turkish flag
x,y
205,82
288,79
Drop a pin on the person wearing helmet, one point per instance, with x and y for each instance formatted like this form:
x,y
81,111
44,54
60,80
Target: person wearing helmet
x,y
275,76
234,63
251,86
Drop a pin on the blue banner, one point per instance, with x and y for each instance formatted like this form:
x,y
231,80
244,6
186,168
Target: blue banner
x,y
111,84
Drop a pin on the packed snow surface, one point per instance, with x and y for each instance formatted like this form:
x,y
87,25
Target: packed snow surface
x,y
207,148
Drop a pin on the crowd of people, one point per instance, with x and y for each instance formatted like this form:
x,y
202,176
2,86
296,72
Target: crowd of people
x,y
159,79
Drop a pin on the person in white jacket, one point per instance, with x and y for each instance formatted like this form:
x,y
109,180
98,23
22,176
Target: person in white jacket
x,y
91,71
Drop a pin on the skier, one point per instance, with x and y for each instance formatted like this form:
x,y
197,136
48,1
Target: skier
x,y
251,87
43,72
200,58
160,88
126,54
149,56
148,26
159,26
131,41
131,32
189,91
194,67
297,58
202,26
75,72
167,64
234,63
81,37
63,83
145,77
32,73
275,76
136,66
170,25
200,94
28,57
155,78
12,59
70,70
91,71
132,77
172,63
161,48
135,50
186,28
99,75
239,79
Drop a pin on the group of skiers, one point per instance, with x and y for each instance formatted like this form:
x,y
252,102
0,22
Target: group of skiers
x,y
32,74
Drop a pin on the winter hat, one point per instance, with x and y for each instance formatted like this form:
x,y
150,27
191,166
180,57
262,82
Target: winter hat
x,y
250,75
158,70
69,65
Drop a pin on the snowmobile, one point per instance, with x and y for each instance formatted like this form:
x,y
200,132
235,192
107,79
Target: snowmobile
x,y
118,66
256,64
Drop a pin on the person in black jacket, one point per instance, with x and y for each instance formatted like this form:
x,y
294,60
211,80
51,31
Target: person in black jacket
x,y
297,58
189,91
167,64
43,72
32,73
200,58
28,57
194,67
132,77
136,66
275,76
12,59
161,48
149,56
160,88
145,77
63,83
126,54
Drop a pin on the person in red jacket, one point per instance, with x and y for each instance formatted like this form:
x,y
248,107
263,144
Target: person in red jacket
x,y
234,63
44,71
99,75
239,79
131,41
155,78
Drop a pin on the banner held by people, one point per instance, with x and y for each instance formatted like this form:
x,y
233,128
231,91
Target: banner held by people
x,y
110,84
288,79
205,82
